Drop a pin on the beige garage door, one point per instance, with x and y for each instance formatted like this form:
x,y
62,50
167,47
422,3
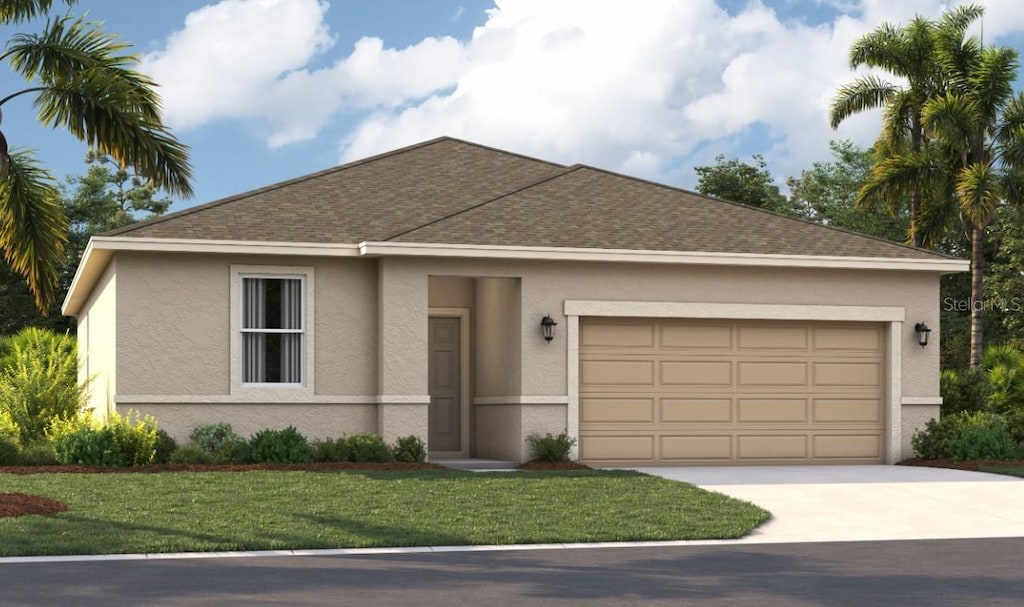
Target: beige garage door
x,y
689,392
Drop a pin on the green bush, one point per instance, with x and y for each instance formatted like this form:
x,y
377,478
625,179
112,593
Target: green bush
x,y
368,448
966,390
39,453
286,446
232,452
937,439
550,448
330,450
979,442
8,429
409,449
122,441
9,452
212,437
39,381
165,447
191,454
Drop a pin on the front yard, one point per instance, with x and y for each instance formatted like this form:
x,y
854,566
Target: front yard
x,y
263,510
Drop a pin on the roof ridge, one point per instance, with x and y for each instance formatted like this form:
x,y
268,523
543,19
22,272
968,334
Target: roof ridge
x,y
768,212
274,186
565,171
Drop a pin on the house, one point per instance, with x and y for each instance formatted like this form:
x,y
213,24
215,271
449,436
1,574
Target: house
x,y
405,293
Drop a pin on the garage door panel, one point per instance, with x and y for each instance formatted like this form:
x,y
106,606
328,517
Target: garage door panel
x,y
842,446
772,410
855,374
696,336
618,448
772,373
846,339
695,373
696,447
771,447
772,338
617,336
695,410
865,410
616,410
617,372
740,392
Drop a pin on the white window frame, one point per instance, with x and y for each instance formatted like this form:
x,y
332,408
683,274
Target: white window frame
x,y
272,390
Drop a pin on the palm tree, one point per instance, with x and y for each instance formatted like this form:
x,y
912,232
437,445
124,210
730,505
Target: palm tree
x,y
82,82
908,53
974,163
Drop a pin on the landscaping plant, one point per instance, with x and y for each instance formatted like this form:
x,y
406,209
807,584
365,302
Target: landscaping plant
x,y
969,431
285,446
551,448
330,450
120,441
368,448
409,449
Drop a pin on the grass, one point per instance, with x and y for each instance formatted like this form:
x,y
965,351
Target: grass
x,y
263,510
1007,470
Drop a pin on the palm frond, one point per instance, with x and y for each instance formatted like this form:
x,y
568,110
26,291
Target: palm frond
x,y
951,118
105,115
991,81
980,189
1013,187
16,11
881,48
1012,120
959,18
864,93
897,120
32,226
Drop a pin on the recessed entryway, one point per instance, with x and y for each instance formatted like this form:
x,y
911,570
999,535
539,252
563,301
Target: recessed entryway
x,y
448,373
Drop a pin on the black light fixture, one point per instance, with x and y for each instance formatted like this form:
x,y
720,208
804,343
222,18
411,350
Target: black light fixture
x,y
547,327
922,333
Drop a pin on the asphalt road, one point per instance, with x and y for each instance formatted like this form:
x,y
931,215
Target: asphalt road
x,y
933,573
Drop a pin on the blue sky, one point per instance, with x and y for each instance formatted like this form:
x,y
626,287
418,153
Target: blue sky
x,y
267,90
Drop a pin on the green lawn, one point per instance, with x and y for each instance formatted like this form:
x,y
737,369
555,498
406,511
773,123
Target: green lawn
x,y
1007,470
207,511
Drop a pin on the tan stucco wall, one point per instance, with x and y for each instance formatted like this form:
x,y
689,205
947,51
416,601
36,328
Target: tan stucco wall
x,y
313,421
451,292
97,342
498,431
174,325
497,352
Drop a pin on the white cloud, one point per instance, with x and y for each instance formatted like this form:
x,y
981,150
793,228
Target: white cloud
x,y
648,88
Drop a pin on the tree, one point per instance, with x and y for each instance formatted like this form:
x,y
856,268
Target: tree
x,y
84,83
104,198
826,193
738,181
973,164
908,53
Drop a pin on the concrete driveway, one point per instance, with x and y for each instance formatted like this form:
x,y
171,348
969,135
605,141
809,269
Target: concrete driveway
x,y
849,503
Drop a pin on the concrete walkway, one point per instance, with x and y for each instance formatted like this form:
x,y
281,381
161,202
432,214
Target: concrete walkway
x,y
850,503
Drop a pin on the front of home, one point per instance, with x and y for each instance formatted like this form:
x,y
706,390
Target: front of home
x,y
404,294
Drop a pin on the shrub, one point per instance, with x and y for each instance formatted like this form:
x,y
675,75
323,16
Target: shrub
x,y
9,452
937,439
233,452
981,442
549,448
39,380
121,441
212,437
191,454
368,448
286,446
965,390
409,449
39,453
165,447
8,429
330,450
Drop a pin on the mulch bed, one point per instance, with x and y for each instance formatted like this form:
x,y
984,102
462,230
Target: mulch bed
x,y
22,504
155,468
972,465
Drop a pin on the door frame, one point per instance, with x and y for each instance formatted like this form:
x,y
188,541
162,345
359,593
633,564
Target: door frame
x,y
463,315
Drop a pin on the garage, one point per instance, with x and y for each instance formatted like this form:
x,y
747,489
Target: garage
x,y
705,392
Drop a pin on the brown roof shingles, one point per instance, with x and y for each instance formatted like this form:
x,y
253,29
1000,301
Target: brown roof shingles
x,y
454,192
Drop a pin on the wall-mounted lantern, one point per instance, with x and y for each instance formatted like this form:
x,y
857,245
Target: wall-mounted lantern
x,y
547,327
922,331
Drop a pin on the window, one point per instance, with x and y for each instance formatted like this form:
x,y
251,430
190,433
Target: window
x,y
273,330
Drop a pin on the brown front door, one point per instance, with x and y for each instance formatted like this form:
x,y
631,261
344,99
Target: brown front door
x,y
444,416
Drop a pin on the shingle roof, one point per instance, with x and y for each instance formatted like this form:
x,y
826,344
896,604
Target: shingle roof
x,y
455,192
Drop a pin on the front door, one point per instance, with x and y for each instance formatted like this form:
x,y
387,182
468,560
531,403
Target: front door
x,y
444,416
